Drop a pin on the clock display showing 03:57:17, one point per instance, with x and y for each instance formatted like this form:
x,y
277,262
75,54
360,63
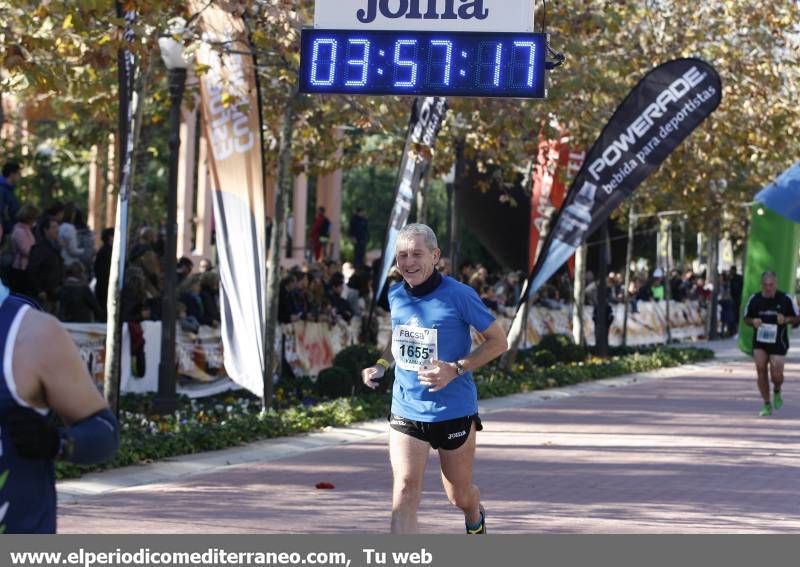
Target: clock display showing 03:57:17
x,y
423,63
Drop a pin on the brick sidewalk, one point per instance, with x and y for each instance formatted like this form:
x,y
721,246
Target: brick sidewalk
x,y
682,454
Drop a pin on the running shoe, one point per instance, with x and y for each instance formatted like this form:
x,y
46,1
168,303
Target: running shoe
x,y
481,530
777,401
766,411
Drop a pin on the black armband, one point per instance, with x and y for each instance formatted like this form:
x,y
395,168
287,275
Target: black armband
x,y
92,440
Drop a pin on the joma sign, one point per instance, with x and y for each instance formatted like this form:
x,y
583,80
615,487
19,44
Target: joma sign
x,y
443,15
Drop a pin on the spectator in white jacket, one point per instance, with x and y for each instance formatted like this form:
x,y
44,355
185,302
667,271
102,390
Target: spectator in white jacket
x,y
71,251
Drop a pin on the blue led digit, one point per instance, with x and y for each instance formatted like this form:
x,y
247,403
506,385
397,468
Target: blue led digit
x,y
437,62
498,58
363,62
410,64
489,71
524,68
320,61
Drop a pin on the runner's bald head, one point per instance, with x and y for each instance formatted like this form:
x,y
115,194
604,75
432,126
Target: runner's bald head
x,y
769,283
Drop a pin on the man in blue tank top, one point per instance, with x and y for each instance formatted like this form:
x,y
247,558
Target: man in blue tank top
x,y
42,370
434,400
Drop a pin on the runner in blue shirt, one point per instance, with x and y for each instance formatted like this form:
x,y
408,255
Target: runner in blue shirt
x,y
42,370
434,400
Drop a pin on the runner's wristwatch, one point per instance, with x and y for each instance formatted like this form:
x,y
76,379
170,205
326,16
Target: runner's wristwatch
x,y
460,370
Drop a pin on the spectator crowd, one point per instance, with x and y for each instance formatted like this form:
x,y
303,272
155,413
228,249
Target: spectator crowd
x,y
51,255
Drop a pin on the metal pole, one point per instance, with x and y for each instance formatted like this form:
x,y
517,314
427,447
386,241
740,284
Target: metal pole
x,y
682,261
166,400
667,282
601,321
628,259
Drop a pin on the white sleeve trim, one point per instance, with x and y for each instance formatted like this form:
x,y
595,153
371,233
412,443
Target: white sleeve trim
x,y
747,307
8,360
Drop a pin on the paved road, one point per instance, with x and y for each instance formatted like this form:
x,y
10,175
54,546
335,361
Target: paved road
x,y
677,451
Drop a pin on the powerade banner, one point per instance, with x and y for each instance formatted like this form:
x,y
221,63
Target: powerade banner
x,y
657,115
427,115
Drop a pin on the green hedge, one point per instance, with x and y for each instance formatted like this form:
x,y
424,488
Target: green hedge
x,y
230,420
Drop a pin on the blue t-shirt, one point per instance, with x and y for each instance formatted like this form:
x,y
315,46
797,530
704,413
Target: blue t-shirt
x,y
27,486
435,325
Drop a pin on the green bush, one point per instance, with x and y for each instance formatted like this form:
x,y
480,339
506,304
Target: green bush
x,y
354,359
555,344
544,358
335,382
572,353
296,387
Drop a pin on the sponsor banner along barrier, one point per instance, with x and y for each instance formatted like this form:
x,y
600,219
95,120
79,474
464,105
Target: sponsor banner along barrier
x,y
646,326
311,347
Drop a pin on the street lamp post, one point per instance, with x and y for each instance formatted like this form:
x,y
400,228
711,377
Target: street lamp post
x,y
176,63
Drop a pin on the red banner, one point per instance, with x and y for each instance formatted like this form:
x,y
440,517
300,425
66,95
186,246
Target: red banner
x,y
555,164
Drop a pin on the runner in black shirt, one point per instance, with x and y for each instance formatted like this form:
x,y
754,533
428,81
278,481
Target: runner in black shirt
x,y
769,313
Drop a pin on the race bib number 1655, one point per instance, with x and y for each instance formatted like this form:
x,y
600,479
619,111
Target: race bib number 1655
x,y
414,347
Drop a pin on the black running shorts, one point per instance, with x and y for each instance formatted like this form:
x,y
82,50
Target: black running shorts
x,y
447,435
777,349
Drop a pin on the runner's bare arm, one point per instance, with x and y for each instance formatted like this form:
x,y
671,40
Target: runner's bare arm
x,y
371,375
753,322
494,345
61,379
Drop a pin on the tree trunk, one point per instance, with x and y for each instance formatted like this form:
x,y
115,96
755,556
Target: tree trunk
x,y
628,259
458,183
579,296
712,277
519,327
115,280
422,195
519,330
283,190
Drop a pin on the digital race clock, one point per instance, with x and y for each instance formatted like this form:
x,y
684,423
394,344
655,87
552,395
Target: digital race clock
x,y
423,63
